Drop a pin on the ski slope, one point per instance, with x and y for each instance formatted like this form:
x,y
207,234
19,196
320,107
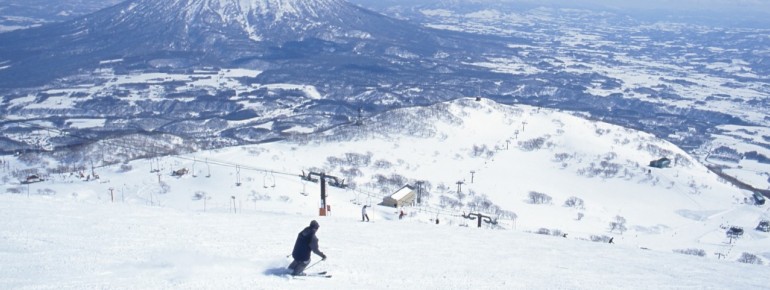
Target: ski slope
x,y
231,221
49,243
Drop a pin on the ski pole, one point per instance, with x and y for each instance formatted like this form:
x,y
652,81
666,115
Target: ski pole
x,y
308,267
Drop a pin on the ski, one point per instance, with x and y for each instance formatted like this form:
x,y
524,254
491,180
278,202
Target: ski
x,y
317,274
322,273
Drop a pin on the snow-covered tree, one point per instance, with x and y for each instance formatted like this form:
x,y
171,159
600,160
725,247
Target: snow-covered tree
x,y
618,224
574,202
693,252
749,258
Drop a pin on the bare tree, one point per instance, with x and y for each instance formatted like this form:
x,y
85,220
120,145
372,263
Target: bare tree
x,y
164,187
460,195
199,195
532,144
539,198
574,202
602,238
506,214
445,201
749,258
693,252
619,224
561,157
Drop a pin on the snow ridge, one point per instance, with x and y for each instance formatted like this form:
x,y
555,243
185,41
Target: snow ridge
x,y
259,19
275,9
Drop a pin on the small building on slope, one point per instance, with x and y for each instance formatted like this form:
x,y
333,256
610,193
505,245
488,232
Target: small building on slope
x,y
402,197
661,163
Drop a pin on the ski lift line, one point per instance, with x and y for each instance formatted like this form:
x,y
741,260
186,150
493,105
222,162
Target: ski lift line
x,y
216,162
368,194
243,167
236,165
221,163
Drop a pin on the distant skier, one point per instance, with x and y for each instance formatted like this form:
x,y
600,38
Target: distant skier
x,y
611,239
306,242
364,216
401,215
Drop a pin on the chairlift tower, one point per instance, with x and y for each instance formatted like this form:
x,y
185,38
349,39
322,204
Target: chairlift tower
x,y
419,192
360,118
322,179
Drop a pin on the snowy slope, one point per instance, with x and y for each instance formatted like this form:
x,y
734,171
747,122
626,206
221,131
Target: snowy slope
x,y
216,231
49,243
272,20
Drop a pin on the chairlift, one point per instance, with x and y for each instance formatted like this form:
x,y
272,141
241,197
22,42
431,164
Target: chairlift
x,y
237,175
355,200
264,180
208,167
157,165
337,183
308,177
193,167
304,192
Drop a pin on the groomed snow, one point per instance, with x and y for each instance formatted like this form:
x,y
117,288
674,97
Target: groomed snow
x,y
50,243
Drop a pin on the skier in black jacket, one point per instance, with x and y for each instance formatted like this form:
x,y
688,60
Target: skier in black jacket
x,y
306,242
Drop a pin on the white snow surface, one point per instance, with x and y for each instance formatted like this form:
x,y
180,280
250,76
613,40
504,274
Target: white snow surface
x,y
135,228
278,9
50,243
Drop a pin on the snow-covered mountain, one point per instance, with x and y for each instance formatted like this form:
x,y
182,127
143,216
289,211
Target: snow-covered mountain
x,y
197,33
539,173
198,24
210,74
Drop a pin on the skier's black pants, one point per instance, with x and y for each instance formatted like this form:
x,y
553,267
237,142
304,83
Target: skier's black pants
x,y
297,267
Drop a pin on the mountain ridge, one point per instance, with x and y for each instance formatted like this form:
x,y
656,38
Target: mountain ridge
x,y
201,33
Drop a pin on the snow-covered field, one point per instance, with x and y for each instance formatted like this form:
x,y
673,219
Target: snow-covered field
x,y
53,243
231,221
